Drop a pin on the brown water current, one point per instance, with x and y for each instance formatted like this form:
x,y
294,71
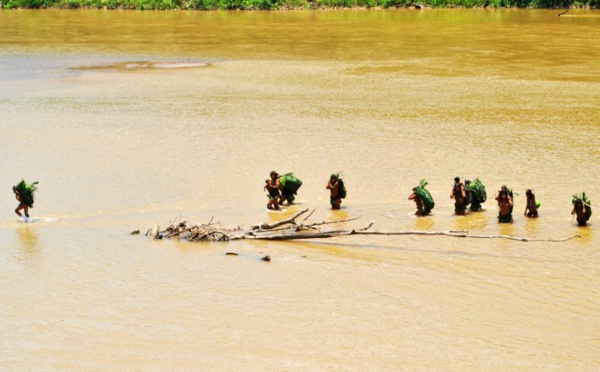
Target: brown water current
x,y
131,119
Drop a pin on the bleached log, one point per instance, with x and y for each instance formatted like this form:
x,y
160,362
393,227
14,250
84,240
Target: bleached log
x,y
291,220
464,235
296,231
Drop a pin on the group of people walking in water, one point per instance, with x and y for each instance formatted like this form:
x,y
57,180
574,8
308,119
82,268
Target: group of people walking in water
x,y
464,195
474,194
470,194
283,188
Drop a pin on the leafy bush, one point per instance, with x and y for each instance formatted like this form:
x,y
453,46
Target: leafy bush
x,y
396,3
287,4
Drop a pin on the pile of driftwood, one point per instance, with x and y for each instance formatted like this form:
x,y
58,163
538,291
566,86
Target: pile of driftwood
x,y
292,228
195,233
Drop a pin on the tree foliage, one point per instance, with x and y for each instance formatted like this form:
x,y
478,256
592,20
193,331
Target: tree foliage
x,y
288,4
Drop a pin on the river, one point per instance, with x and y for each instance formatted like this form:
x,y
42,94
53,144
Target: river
x,y
130,119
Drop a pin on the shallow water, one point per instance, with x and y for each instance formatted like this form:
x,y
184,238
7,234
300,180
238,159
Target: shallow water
x,y
386,97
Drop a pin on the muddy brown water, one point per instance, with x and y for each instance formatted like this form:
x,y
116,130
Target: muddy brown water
x,y
131,119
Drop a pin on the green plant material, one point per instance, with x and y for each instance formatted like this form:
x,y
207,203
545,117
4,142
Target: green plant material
x,y
289,4
510,192
342,193
584,199
477,190
27,192
424,197
476,194
290,183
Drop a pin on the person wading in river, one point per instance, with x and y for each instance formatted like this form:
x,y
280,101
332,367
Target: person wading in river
x,y
417,201
460,196
579,210
531,206
505,206
25,195
334,197
272,188
22,206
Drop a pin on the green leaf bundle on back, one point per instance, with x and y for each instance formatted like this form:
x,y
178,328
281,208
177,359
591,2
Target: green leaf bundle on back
x,y
510,192
424,196
27,192
290,183
586,202
476,193
342,189
477,189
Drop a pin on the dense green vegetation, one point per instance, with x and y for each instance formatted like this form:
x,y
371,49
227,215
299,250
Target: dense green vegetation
x,y
289,4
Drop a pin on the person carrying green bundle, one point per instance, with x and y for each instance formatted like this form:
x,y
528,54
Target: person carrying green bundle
x,y
288,185
25,195
582,208
475,194
337,190
422,199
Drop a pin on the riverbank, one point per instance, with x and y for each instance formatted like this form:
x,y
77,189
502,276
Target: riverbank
x,y
289,4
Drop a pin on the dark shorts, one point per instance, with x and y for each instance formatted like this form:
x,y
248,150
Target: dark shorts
x,y
505,219
334,199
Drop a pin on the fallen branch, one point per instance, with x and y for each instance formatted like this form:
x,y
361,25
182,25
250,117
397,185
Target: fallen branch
x,y
291,220
523,239
326,223
317,235
310,214
464,235
298,231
